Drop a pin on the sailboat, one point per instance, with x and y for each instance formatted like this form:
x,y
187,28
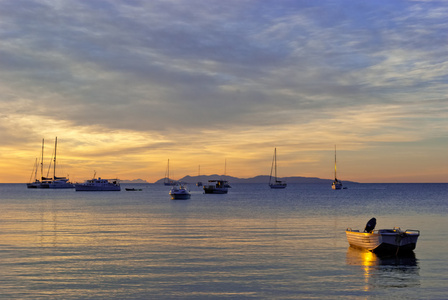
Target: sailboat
x,y
276,184
35,184
167,180
59,182
44,182
199,183
337,184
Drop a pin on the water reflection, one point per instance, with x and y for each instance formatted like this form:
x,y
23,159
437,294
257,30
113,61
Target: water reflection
x,y
385,271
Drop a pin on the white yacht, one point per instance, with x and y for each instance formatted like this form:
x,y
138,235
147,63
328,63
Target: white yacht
x,y
216,187
180,192
98,185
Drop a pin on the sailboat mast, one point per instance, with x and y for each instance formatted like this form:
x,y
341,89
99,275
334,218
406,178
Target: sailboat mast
x,y
36,165
275,158
225,167
54,161
42,161
335,162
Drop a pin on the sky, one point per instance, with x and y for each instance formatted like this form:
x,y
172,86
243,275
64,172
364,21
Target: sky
x,y
126,85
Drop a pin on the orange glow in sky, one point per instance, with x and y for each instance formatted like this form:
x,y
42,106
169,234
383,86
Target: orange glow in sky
x,y
225,83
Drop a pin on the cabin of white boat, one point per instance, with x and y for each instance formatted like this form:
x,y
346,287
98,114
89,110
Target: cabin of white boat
x,y
216,187
219,183
101,181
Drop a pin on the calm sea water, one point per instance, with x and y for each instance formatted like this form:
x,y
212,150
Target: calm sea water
x,y
253,243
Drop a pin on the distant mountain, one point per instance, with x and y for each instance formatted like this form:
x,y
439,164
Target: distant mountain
x,y
256,179
134,181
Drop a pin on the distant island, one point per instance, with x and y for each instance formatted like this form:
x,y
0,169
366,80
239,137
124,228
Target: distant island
x,y
256,179
134,181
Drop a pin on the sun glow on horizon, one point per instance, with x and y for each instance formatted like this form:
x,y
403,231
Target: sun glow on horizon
x,y
136,155
200,92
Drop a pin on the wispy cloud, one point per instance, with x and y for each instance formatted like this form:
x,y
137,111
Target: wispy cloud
x,y
197,78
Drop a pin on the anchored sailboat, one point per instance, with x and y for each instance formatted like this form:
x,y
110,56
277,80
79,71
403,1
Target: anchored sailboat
x,y
36,183
44,182
199,183
337,184
276,184
48,182
167,180
59,182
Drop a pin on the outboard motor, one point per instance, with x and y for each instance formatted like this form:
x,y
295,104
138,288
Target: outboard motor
x,y
370,225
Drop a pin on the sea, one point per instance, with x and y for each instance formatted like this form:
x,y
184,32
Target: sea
x,y
252,243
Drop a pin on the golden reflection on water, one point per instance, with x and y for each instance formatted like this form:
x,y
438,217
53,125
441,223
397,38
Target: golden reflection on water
x,y
387,271
79,246
366,259
80,250
53,226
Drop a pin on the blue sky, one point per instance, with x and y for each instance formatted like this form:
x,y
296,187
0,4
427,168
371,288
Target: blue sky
x,y
125,85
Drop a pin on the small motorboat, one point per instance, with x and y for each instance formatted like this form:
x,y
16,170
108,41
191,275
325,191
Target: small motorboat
x,y
383,241
179,192
133,190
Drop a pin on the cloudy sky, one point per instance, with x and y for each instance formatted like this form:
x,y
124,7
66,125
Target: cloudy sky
x,y
126,85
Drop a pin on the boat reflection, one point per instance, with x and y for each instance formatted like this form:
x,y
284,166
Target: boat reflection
x,y
385,271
